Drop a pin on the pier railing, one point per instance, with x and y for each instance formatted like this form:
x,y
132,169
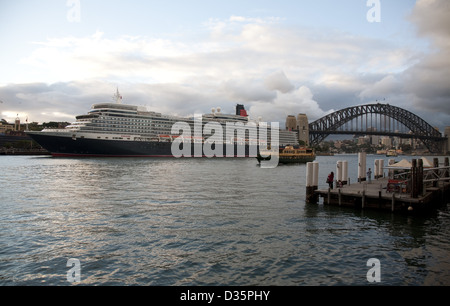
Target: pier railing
x,y
420,178
436,174
414,184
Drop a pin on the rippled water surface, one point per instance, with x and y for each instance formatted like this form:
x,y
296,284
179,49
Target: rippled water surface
x,y
201,222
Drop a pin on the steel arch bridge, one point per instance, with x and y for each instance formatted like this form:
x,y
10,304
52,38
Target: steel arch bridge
x,y
334,123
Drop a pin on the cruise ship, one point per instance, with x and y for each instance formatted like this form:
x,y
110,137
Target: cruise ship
x,y
116,129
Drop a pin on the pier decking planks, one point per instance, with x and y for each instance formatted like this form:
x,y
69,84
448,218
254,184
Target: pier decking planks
x,y
374,195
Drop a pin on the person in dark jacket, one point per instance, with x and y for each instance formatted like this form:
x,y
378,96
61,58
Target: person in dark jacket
x,y
330,180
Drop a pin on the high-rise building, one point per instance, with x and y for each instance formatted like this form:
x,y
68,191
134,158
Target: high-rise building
x,y
386,142
291,123
303,128
300,125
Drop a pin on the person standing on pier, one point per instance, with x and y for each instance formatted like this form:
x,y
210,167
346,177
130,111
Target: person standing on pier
x,y
369,176
330,180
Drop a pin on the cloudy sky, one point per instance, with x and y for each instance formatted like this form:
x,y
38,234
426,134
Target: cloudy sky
x,y
58,57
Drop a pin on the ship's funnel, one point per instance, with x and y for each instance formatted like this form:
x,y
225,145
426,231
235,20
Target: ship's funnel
x,y
240,110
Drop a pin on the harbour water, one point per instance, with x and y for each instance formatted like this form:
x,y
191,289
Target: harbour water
x,y
202,222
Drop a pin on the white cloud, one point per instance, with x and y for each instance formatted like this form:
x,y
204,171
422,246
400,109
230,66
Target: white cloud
x,y
240,47
247,91
389,85
95,57
431,19
429,79
297,101
271,67
278,81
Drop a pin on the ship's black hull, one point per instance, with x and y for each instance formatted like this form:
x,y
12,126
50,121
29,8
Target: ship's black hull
x,y
67,146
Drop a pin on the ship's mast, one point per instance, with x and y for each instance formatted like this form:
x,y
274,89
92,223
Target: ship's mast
x,y
117,97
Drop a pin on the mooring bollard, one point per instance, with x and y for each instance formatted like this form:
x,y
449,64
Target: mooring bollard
x,y
345,178
316,174
381,165
342,172
312,182
338,172
391,171
376,168
361,166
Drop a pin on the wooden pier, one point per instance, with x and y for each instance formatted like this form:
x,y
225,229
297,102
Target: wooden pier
x,y
413,190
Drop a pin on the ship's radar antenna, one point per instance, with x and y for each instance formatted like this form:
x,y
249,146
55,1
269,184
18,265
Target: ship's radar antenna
x,y
117,97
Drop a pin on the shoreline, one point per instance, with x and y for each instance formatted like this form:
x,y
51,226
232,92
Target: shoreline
x,y
14,152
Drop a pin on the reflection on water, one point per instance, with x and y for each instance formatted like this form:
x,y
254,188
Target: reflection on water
x,y
201,222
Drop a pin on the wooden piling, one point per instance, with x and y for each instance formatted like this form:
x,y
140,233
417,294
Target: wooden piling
x,y
380,200
446,164
311,197
414,193
420,176
363,199
393,202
